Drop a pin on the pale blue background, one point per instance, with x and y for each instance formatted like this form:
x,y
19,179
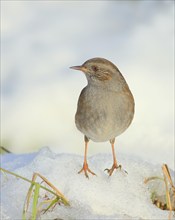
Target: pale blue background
x,y
40,40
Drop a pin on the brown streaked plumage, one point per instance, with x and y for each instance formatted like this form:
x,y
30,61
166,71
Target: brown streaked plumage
x,y
105,106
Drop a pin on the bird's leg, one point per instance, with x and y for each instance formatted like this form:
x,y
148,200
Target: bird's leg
x,y
85,167
115,165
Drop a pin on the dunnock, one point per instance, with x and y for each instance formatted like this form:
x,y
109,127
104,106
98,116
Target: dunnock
x,y
105,106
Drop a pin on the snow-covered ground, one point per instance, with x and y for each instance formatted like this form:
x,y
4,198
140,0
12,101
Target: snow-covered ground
x,y
121,196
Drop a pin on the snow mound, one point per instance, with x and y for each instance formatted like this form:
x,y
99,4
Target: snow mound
x,y
121,196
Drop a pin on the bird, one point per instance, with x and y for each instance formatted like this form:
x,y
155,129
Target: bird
x,y
105,106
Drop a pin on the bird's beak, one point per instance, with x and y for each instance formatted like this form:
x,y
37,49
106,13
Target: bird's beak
x,y
81,68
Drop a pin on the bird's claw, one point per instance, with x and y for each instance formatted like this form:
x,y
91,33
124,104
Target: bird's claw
x,y
114,166
86,169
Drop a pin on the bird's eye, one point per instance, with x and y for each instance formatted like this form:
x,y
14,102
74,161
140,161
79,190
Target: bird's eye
x,y
94,68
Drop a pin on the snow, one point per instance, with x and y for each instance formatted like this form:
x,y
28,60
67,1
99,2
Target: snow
x,y
121,196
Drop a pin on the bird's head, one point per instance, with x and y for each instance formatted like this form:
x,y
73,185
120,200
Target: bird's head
x,y
100,71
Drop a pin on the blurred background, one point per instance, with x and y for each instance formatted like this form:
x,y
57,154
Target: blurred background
x,y
40,40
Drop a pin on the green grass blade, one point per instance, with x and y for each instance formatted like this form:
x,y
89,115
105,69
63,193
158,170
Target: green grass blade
x,y
52,204
35,201
24,215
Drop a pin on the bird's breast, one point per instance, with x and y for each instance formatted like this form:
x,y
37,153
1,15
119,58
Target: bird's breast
x,y
102,115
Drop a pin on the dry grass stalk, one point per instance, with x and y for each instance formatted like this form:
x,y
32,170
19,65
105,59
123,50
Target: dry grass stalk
x,y
57,198
168,179
34,191
169,191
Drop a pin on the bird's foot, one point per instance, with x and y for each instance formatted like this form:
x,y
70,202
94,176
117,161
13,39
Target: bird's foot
x,y
86,169
114,166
